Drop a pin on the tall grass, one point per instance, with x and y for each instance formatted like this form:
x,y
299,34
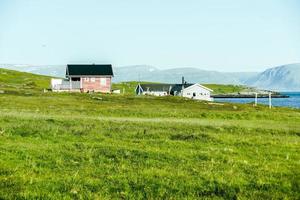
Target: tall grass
x,y
78,146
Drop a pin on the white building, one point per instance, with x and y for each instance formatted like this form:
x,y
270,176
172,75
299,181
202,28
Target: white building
x,y
197,91
192,91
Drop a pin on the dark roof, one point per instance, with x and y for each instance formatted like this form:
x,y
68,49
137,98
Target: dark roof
x,y
77,70
164,87
156,87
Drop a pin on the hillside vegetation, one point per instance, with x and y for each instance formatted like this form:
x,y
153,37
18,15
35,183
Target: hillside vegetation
x,y
225,89
93,146
19,82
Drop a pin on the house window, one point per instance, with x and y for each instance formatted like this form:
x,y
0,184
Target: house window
x,y
93,79
188,93
102,81
194,94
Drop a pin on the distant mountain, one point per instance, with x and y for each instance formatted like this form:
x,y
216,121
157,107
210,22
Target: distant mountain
x,y
150,73
147,73
282,78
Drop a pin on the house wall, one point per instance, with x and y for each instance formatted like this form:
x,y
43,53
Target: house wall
x,y
197,92
97,84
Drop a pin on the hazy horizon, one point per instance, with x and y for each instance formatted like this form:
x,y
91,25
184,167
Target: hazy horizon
x,y
225,36
141,65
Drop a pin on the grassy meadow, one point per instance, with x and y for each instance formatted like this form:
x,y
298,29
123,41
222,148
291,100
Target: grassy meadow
x,y
101,146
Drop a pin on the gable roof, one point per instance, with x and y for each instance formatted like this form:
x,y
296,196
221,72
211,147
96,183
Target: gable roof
x,y
89,70
159,87
156,87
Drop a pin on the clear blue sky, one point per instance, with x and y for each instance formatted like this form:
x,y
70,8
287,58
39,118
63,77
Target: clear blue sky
x,y
223,35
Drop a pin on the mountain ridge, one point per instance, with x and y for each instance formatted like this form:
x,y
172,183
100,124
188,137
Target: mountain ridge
x,y
284,77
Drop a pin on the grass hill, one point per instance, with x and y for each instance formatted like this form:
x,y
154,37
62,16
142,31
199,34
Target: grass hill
x,y
19,82
93,146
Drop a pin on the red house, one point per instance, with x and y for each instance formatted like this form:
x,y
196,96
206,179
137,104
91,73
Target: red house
x,y
85,78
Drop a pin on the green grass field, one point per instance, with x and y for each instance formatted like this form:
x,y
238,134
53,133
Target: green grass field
x,y
93,146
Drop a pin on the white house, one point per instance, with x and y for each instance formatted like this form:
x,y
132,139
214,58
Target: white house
x,y
197,91
192,91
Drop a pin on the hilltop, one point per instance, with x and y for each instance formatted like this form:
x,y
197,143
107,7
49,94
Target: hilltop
x,y
102,146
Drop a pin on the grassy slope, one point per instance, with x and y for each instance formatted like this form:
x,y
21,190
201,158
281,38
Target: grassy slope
x,y
18,82
107,146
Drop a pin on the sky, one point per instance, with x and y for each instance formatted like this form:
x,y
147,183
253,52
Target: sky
x,y
221,35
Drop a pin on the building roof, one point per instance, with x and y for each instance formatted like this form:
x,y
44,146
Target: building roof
x,y
197,84
163,87
178,87
156,87
89,70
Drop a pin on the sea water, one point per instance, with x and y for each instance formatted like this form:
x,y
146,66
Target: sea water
x,y
292,101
